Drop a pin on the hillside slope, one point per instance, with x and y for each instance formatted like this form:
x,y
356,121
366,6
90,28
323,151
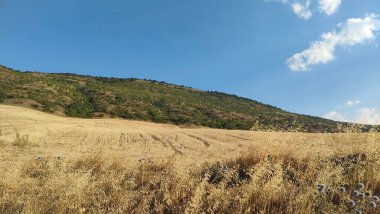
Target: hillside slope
x,y
87,96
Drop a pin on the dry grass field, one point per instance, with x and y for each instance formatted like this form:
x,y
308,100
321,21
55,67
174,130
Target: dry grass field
x,y
52,164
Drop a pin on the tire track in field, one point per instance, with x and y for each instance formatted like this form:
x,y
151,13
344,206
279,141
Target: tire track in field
x,y
238,137
172,146
204,141
166,143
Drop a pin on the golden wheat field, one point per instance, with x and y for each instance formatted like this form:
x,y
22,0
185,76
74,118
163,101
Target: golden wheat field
x,y
51,164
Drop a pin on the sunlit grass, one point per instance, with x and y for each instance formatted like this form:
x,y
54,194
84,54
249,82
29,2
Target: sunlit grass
x,y
61,165
257,182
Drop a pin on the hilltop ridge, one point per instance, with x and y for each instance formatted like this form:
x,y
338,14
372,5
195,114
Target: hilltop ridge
x,y
148,100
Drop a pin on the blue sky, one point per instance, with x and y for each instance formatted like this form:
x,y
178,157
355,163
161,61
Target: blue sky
x,y
316,57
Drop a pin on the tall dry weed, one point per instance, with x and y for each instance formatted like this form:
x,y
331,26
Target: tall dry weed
x,y
265,179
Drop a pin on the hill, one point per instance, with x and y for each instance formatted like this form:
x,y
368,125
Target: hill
x,y
87,97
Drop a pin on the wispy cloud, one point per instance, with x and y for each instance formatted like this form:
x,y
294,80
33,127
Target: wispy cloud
x,y
329,7
368,116
363,116
351,103
334,115
354,31
302,8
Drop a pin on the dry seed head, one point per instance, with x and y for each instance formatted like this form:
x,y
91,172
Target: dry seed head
x,y
375,198
373,204
321,187
360,185
361,195
351,204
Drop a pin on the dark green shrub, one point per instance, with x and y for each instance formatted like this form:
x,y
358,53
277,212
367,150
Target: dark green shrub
x,y
79,109
2,96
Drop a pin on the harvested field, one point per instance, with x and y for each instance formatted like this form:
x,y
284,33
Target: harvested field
x,y
52,164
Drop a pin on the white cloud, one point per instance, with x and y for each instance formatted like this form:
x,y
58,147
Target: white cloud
x,y
351,103
354,31
334,115
329,7
302,9
283,1
368,116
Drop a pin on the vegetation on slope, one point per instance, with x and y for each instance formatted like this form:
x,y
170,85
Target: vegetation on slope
x,y
86,96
